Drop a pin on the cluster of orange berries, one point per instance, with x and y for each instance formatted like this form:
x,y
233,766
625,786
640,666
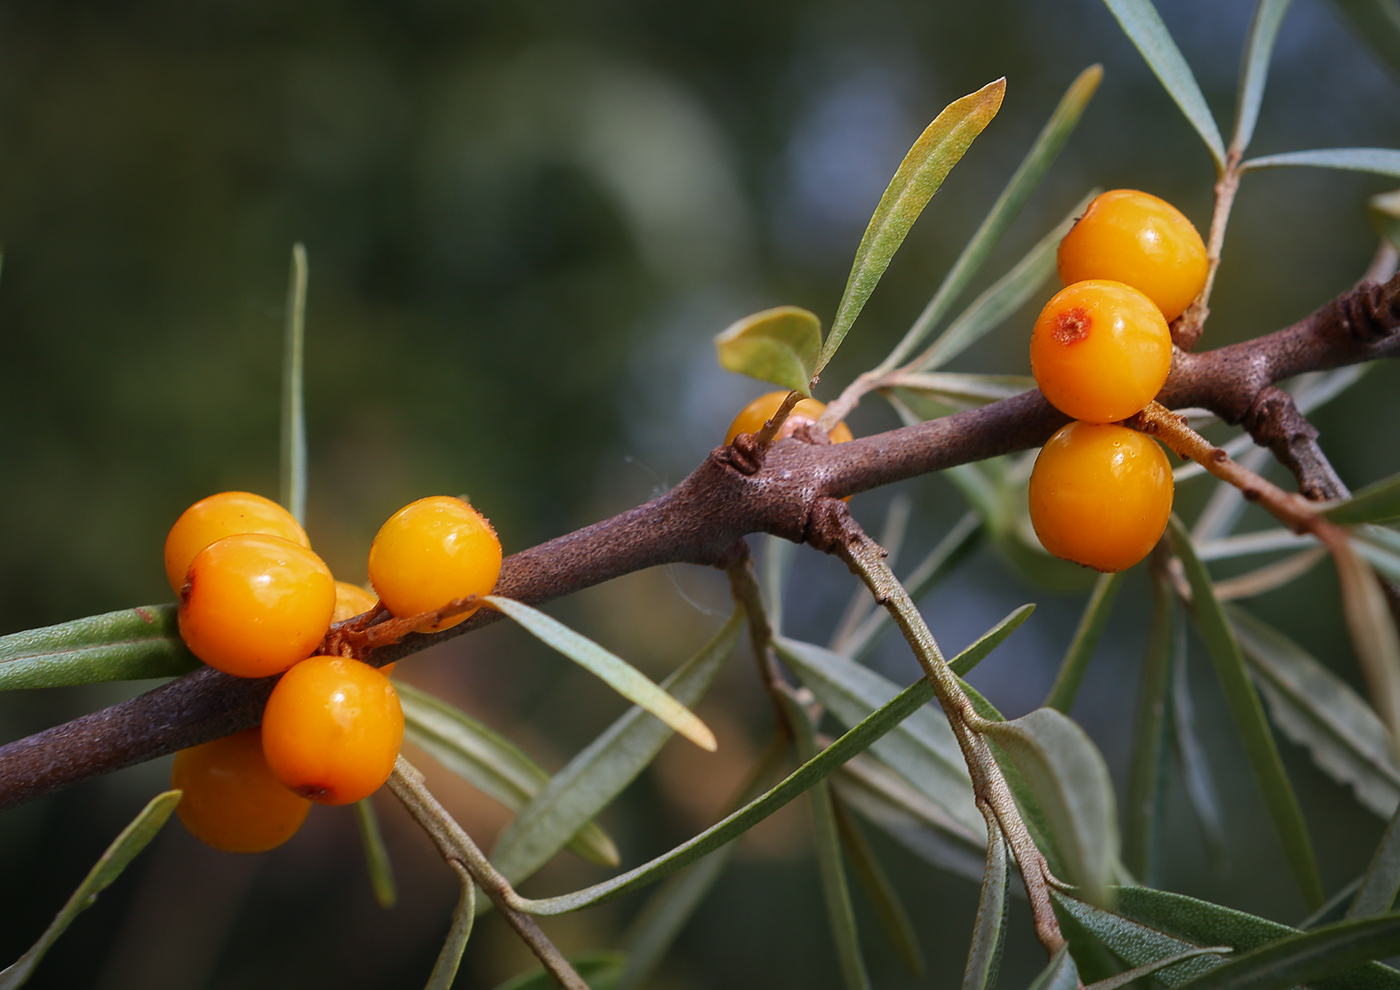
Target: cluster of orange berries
x,y
1100,493
256,601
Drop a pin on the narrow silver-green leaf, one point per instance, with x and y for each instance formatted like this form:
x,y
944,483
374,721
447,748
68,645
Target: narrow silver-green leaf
x,y
132,644
1123,979
1377,23
601,969
862,602
293,473
1147,774
1376,503
773,577
778,345
381,870
1306,958
598,774
1381,881
1384,211
1380,161
665,914
610,668
884,899
938,149
492,763
1060,974
1144,28
888,802
989,927
124,848
938,564
1008,206
1195,763
1248,716
1248,544
1319,711
840,913
1373,633
935,394
449,959
830,759
1069,778
1254,69
1086,640
1002,298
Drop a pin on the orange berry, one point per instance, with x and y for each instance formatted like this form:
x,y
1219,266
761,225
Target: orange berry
x,y
352,600
1140,240
1100,351
224,514
253,605
431,552
752,417
232,799
332,729
1100,495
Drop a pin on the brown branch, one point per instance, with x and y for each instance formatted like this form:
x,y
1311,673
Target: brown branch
x,y
700,519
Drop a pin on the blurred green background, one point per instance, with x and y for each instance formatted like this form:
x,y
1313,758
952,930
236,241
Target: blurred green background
x,y
525,223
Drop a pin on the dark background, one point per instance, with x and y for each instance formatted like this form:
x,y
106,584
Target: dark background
x,y
525,223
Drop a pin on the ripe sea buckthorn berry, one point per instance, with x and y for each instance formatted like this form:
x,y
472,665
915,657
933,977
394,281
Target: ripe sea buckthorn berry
x,y
1138,239
352,600
431,552
752,417
224,514
1100,495
253,605
332,729
1100,351
233,801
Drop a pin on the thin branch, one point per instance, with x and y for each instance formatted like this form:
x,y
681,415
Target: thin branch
x,y
1186,330
458,848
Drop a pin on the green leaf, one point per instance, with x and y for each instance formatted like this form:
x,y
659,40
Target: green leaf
x,y
776,569
778,345
1248,544
1008,206
862,602
449,959
293,461
857,740
1148,773
492,763
1060,974
950,551
1381,161
1381,881
935,394
665,914
1249,720
1307,957
601,969
617,673
598,774
938,149
1373,633
1069,778
381,870
1377,23
836,893
989,927
124,848
888,802
1319,711
1384,211
1195,764
1002,298
1086,639
1143,26
1254,69
132,644
1376,503
884,898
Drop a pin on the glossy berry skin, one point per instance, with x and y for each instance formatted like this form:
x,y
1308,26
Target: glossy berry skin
x,y
233,801
1100,495
431,552
253,605
1140,240
752,417
352,600
1100,351
224,514
332,729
